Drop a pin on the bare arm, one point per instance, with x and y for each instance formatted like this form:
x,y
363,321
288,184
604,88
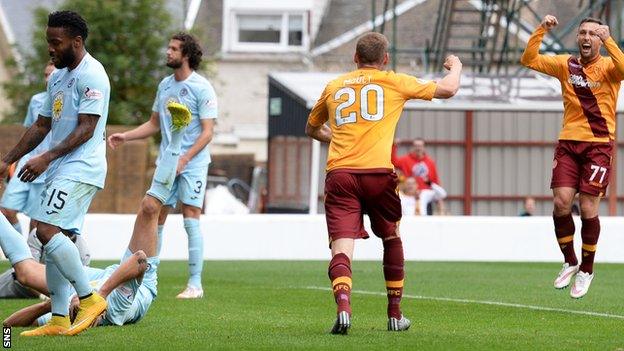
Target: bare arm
x,y
151,127
147,129
204,138
321,133
447,87
83,132
27,316
31,138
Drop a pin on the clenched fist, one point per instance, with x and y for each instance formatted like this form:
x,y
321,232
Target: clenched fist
x,y
549,22
452,61
602,32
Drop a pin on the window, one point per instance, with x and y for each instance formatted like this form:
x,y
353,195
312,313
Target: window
x,y
269,32
259,29
295,30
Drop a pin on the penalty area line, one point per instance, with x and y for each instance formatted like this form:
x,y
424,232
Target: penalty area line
x,y
482,302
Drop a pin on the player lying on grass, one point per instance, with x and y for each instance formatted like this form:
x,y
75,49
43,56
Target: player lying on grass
x,y
10,286
130,287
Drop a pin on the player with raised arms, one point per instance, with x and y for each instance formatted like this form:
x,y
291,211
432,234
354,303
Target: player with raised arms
x,y
590,84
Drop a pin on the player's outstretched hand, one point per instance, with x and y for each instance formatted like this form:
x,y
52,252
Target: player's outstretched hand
x,y
452,61
116,139
549,22
603,32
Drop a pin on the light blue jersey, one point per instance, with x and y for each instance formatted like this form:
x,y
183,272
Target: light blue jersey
x,y
83,90
196,93
34,107
36,102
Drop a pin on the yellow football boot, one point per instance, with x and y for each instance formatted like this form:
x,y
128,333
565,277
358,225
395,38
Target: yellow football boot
x,y
89,310
58,325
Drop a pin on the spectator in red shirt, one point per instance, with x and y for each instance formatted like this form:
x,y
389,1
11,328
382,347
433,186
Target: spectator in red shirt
x,y
417,164
423,168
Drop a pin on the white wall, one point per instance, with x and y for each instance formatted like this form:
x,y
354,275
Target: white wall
x,y
303,237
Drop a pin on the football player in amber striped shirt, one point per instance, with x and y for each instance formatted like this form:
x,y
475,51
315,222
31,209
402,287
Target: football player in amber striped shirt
x,y
582,162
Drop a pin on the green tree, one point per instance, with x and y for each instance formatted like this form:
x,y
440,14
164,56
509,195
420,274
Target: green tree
x,y
127,36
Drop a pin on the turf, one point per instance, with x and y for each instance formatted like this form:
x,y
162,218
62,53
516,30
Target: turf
x,y
279,305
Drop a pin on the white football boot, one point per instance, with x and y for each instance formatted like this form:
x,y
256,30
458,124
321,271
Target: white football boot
x,y
565,276
581,284
398,324
191,292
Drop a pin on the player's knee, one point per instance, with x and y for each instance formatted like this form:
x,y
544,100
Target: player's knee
x,y
23,277
191,211
562,204
141,259
150,207
588,210
45,232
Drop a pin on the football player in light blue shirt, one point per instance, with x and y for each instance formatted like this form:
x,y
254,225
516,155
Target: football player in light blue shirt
x,y
20,196
129,287
187,87
74,114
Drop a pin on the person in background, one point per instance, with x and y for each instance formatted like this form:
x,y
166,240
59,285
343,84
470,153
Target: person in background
x,y
529,207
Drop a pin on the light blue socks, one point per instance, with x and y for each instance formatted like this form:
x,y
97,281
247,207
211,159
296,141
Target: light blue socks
x,y
159,242
196,251
60,290
17,227
65,256
165,172
13,243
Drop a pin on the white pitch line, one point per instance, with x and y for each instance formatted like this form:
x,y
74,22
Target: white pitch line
x,y
482,302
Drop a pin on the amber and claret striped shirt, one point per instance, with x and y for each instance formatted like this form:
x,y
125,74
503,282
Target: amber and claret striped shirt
x,y
363,108
590,92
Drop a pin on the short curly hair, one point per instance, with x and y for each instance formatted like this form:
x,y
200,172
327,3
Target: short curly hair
x,y
71,21
190,48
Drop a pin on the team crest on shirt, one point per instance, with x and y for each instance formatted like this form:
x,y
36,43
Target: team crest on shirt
x,y
71,82
183,92
57,106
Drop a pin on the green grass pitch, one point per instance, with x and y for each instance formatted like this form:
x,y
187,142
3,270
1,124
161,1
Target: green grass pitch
x,y
280,305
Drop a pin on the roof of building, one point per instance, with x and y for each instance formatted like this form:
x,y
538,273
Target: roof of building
x,y
529,93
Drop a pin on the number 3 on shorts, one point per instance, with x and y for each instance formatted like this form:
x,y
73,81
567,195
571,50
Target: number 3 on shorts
x,y
597,169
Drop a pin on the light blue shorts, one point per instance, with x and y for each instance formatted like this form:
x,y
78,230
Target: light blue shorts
x,y
21,197
189,188
64,203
